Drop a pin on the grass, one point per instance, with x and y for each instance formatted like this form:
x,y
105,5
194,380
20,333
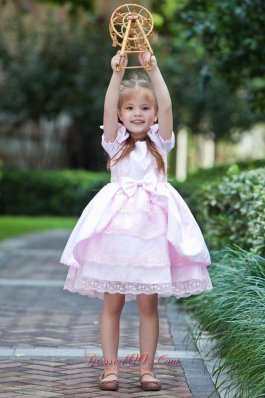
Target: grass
x,y
233,313
15,225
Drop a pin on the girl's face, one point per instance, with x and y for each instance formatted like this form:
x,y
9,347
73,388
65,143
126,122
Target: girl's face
x,y
137,111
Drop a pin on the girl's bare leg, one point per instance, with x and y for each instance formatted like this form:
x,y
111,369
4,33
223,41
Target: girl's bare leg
x,y
110,330
148,331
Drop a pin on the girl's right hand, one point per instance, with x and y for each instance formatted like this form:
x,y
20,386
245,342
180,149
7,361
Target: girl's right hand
x,y
118,60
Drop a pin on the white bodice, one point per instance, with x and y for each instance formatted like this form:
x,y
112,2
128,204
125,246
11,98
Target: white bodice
x,y
140,164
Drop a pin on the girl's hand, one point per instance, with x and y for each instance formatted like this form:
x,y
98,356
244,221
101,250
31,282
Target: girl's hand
x,y
146,58
119,60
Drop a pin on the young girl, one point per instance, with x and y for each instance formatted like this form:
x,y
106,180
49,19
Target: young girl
x,y
137,239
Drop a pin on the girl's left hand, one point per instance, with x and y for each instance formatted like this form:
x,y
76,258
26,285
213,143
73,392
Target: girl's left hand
x,y
146,58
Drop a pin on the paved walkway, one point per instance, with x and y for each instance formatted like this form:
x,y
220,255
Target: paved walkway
x,y
48,335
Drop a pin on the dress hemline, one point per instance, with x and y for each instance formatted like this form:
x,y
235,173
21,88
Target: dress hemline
x,y
97,288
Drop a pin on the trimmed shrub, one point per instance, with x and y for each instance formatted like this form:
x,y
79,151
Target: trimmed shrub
x,y
189,188
62,193
233,313
233,210
230,208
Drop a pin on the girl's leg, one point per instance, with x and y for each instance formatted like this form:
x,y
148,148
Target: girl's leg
x,y
110,330
149,330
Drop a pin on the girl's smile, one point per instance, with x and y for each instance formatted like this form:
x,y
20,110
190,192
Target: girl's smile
x,y
137,111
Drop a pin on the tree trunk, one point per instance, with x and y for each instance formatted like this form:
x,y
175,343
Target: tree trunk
x,y
182,155
205,151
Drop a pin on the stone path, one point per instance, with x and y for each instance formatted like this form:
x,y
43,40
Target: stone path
x,y
48,335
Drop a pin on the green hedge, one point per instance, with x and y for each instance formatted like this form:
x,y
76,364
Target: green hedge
x,y
67,192
229,207
233,313
61,193
233,210
189,188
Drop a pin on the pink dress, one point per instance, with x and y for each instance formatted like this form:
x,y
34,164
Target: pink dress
x,y
137,235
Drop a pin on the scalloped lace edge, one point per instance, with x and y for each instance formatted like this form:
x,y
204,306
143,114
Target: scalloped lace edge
x,y
178,289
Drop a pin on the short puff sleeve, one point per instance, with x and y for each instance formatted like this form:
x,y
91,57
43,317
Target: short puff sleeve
x,y
112,147
161,143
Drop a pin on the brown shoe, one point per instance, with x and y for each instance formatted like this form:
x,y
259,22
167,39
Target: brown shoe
x,y
153,385
111,385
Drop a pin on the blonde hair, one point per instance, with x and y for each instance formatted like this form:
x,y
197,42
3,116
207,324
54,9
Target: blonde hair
x,y
135,81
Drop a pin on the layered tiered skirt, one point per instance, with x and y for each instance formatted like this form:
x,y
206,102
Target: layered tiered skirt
x,y
135,245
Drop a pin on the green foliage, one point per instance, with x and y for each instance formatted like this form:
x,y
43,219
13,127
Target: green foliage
x,y
51,67
1,170
62,193
167,10
229,204
233,313
52,64
61,64
204,104
232,32
75,5
189,188
202,101
233,210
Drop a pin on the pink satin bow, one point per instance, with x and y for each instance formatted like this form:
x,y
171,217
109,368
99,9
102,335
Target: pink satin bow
x,y
129,185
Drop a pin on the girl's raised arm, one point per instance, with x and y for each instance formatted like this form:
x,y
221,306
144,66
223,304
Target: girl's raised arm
x,y
165,118
110,118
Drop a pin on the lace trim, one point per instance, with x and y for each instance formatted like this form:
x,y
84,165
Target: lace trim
x,y
179,289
